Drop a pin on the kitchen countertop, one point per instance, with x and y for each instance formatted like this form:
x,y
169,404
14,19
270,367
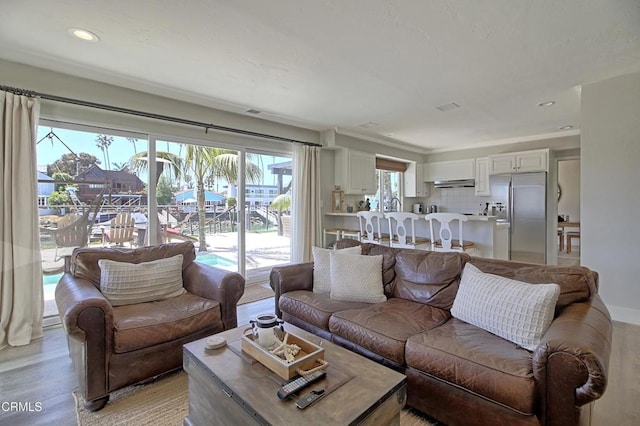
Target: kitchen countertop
x,y
473,217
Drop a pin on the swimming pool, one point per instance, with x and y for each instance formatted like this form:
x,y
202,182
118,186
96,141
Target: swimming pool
x,y
215,260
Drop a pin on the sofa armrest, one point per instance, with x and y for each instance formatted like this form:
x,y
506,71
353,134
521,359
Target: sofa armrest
x,y
217,284
87,317
570,366
289,278
74,297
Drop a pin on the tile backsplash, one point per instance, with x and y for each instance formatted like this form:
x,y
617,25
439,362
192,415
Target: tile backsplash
x,y
457,200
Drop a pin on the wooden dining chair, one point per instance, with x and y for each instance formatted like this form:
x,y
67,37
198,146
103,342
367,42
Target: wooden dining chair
x,y
571,235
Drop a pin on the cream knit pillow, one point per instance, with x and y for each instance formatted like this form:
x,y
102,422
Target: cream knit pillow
x,y
517,311
322,267
125,283
356,278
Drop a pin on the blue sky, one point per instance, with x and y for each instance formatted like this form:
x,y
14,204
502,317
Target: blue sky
x,y
120,151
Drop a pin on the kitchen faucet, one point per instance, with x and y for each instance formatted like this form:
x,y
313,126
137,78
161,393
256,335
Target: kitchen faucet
x,y
398,204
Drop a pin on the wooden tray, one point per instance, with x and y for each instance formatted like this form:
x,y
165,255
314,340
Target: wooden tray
x,y
306,359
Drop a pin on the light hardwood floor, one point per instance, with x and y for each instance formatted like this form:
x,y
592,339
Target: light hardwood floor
x,y
42,372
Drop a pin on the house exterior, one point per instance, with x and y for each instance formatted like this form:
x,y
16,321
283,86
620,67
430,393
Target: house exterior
x,y
188,199
45,188
115,182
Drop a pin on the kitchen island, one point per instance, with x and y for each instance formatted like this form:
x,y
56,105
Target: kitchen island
x,y
490,235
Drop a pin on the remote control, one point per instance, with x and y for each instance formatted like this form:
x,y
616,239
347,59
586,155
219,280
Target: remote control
x,y
309,398
300,383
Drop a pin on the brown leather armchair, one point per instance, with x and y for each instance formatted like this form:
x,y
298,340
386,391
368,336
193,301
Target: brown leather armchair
x,y
115,346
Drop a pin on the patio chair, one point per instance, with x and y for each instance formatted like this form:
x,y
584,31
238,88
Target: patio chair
x,y
72,231
121,230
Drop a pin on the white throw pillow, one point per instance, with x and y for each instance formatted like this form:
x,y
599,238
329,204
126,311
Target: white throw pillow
x,y
517,311
356,278
125,283
322,267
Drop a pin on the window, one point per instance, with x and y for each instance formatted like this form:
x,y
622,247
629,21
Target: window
x,y
389,189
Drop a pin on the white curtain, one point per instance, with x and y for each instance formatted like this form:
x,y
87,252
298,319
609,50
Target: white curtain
x,y
307,217
21,298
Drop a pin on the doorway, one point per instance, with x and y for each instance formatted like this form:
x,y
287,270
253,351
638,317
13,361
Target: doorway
x,y
569,211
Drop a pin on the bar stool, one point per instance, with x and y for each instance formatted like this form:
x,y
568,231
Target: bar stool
x,y
446,241
370,226
337,232
402,236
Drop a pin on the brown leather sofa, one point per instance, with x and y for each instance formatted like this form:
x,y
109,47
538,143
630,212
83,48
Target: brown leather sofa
x,y
458,373
113,347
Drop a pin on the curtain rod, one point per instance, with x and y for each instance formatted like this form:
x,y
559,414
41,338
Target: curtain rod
x,y
154,116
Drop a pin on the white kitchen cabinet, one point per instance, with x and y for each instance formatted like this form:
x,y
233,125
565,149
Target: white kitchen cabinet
x,y
450,170
355,172
519,162
414,181
482,177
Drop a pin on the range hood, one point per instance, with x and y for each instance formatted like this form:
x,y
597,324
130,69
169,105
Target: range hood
x,y
461,183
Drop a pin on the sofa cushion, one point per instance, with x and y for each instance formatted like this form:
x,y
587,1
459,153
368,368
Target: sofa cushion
x,y
124,283
322,267
471,358
518,311
84,261
356,278
383,328
147,324
577,283
388,262
428,277
314,308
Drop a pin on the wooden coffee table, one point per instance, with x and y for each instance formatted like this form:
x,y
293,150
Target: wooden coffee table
x,y
227,386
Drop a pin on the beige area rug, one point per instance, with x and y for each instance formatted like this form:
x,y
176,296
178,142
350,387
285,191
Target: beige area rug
x,y
255,292
165,402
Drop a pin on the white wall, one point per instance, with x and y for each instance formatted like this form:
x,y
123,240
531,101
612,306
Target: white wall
x,y
569,181
610,204
53,83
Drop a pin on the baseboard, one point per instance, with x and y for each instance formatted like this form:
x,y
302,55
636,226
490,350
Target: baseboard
x,y
622,314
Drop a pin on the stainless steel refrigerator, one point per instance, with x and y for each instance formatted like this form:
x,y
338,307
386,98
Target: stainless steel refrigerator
x,y
525,198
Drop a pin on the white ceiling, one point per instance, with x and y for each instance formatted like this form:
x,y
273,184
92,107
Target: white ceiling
x,y
345,63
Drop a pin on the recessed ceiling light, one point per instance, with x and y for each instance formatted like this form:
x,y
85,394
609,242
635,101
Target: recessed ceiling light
x,y
566,127
84,35
369,124
448,107
546,104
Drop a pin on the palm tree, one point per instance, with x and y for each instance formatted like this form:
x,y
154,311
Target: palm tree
x,y
133,141
140,162
104,142
119,165
281,202
221,163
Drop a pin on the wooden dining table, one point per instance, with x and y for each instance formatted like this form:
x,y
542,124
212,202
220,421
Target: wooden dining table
x,y
563,225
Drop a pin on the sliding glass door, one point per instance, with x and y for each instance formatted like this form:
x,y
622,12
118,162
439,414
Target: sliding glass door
x,y
267,213
193,200
84,181
233,205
